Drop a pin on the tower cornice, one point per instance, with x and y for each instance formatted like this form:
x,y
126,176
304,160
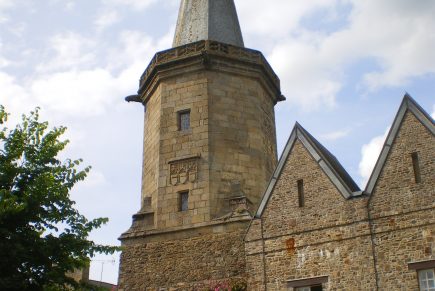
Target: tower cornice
x,y
208,55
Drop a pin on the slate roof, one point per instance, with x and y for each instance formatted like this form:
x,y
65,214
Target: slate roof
x,y
408,104
326,160
208,20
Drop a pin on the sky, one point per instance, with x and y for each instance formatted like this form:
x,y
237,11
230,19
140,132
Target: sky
x,y
344,66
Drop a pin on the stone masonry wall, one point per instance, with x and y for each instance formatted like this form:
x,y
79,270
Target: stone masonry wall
x,y
403,211
185,92
329,236
360,244
242,139
232,141
150,163
212,255
229,151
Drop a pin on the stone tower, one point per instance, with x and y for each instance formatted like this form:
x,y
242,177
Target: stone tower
x,y
209,152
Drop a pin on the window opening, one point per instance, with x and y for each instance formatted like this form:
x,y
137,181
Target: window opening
x,y
426,280
184,201
301,197
416,166
184,120
311,288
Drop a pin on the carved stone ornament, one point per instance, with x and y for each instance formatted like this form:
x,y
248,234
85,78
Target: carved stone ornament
x,y
183,171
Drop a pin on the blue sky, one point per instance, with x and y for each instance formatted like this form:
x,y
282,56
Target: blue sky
x,y
344,66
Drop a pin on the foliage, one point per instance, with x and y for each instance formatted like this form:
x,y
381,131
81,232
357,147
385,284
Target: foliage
x,y
233,285
42,235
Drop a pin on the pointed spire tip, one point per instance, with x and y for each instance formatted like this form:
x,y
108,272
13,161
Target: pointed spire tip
x,y
208,20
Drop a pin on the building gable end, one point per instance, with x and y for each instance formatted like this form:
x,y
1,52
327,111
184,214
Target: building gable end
x,y
326,161
408,105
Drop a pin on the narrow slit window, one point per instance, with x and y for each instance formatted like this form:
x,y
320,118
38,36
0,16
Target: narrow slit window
x,y
301,197
184,201
416,166
184,120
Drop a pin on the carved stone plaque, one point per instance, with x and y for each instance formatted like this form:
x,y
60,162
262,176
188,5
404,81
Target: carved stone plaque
x,y
183,171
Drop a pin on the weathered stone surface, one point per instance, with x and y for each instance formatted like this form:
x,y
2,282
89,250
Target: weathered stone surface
x,y
191,263
358,241
208,20
325,237
403,211
363,243
227,155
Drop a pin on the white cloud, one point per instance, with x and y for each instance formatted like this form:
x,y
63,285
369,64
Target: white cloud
x,y
68,51
278,18
370,153
67,4
395,35
4,5
433,112
136,47
70,5
107,19
135,4
93,180
3,61
66,86
81,93
14,97
307,82
335,135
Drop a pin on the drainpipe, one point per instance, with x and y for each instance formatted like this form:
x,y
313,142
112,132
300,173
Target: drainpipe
x,y
263,256
373,243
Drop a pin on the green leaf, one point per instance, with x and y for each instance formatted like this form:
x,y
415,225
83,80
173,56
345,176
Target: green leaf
x,y
42,235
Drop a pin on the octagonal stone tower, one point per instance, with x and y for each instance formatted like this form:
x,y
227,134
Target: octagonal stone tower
x,y
209,152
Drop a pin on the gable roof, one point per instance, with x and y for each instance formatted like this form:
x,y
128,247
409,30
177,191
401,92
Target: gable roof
x,y
324,158
408,104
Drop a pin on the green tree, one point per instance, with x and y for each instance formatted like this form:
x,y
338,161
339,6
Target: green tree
x,y
42,235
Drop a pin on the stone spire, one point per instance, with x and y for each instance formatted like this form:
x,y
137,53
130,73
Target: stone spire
x,y
208,20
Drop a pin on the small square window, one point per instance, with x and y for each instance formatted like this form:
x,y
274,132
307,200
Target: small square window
x,y
184,120
184,201
426,279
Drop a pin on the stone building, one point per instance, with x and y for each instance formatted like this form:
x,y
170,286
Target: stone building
x,y
315,230
217,206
